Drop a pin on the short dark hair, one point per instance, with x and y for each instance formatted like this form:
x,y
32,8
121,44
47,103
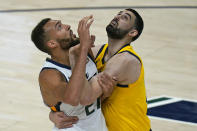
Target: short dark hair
x,y
38,35
139,24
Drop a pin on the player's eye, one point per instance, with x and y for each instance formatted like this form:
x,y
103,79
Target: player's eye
x,y
59,27
125,17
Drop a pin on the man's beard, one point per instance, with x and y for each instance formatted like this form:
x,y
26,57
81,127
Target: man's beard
x,y
115,33
74,42
68,43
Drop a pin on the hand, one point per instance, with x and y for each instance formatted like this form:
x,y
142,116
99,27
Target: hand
x,y
107,84
61,120
84,33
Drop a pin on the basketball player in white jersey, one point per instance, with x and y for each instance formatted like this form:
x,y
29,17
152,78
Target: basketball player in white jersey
x,y
62,88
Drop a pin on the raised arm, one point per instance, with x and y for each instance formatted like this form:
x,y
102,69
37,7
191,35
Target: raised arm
x,y
93,89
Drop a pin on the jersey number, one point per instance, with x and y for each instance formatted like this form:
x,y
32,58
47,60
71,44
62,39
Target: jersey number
x,y
88,109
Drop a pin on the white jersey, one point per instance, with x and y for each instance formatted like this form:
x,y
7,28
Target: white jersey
x,y
90,117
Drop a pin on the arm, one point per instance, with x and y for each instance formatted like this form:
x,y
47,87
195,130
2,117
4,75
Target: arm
x,y
126,73
80,66
93,88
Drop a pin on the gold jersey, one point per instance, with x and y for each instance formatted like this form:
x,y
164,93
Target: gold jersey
x,y
126,108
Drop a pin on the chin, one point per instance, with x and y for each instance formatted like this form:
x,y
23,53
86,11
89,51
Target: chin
x,y
74,42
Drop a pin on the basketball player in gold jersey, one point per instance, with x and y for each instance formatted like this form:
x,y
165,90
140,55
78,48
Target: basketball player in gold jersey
x,y
126,108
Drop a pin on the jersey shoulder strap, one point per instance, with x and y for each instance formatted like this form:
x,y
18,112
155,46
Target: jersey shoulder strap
x,y
101,51
130,50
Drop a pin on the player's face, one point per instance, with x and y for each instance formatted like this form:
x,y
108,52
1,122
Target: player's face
x,y
62,33
120,25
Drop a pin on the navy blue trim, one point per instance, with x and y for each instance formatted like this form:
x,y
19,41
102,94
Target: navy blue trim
x,y
124,86
99,51
103,60
133,55
58,64
48,68
121,49
57,106
92,76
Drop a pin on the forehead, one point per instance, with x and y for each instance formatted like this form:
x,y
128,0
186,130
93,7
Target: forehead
x,y
128,12
50,25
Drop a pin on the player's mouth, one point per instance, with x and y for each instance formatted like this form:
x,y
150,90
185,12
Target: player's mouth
x,y
72,35
114,23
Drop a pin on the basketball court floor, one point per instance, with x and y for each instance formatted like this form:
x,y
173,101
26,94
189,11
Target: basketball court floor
x,y
168,47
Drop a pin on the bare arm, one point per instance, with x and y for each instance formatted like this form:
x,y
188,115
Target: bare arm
x,y
126,73
93,88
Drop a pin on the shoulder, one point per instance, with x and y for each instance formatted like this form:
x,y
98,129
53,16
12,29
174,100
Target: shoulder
x,y
51,86
131,67
126,67
130,63
50,77
124,59
130,59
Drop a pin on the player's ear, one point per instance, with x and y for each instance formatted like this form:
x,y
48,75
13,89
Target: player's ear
x,y
133,33
52,44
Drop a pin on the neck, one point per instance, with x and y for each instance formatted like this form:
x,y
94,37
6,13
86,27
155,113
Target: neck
x,y
114,45
61,56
